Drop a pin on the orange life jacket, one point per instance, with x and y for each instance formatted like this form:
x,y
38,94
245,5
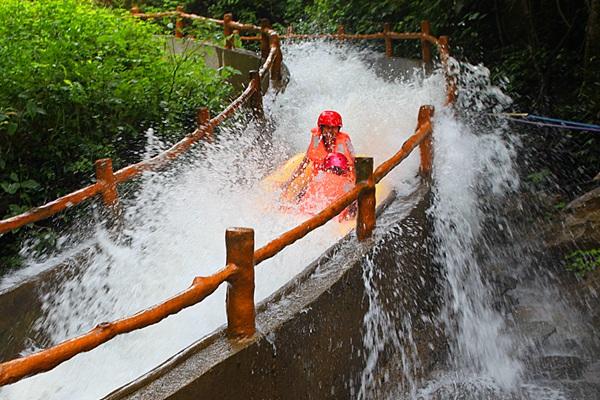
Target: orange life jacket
x,y
317,152
324,188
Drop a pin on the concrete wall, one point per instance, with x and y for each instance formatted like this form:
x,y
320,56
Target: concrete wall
x,y
310,340
217,57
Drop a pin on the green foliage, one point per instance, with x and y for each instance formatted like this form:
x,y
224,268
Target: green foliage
x,y
81,82
539,177
583,261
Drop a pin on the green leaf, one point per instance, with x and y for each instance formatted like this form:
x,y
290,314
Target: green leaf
x,y
30,184
10,188
11,129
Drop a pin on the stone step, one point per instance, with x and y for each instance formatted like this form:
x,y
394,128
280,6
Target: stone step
x,y
537,332
575,390
555,367
592,373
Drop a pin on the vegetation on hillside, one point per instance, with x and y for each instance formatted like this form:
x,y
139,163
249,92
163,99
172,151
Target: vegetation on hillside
x,y
548,51
81,82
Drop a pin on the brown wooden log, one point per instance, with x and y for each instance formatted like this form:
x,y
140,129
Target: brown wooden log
x,y
256,102
45,360
276,245
407,147
265,47
389,49
341,31
241,313
276,67
179,23
106,178
228,31
365,219
203,123
49,209
426,148
451,90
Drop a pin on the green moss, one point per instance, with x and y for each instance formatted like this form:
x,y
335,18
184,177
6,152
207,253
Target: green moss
x,y
583,261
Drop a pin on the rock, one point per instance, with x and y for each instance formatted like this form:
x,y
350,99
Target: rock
x,y
579,225
504,283
588,202
592,373
556,367
578,390
537,331
524,314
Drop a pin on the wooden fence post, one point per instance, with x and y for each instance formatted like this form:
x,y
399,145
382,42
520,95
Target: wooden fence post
x,y
389,50
425,115
106,178
135,10
179,23
365,219
202,120
290,30
341,32
450,80
426,46
241,313
276,67
228,31
265,47
256,102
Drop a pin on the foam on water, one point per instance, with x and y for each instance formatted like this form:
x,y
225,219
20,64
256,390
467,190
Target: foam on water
x,y
174,221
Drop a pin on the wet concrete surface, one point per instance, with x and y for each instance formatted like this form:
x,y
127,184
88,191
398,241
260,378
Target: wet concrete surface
x,y
310,333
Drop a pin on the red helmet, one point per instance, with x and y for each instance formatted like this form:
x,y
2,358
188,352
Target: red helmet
x,y
336,162
330,118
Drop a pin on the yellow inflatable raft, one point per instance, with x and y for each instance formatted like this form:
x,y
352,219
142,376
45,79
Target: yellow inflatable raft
x,y
282,175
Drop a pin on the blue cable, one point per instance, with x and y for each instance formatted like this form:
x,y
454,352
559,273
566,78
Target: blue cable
x,y
576,128
562,122
550,122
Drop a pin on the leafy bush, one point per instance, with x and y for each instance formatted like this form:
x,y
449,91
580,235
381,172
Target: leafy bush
x,y
81,82
583,261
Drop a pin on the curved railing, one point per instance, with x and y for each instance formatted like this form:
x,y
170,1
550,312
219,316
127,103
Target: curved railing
x,y
427,40
107,180
241,255
240,262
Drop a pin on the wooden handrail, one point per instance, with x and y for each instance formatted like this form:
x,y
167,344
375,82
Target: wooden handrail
x,y
423,131
45,360
276,245
131,171
49,209
240,306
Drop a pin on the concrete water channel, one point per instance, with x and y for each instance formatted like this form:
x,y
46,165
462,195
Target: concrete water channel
x,y
320,335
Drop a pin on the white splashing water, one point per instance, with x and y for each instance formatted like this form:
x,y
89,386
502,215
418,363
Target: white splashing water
x,y
174,221
472,165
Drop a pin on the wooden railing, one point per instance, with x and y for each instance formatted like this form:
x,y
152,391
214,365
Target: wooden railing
x,y
240,262
107,180
427,40
241,256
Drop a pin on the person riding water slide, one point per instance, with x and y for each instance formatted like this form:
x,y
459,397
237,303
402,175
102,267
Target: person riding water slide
x,y
326,138
333,181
